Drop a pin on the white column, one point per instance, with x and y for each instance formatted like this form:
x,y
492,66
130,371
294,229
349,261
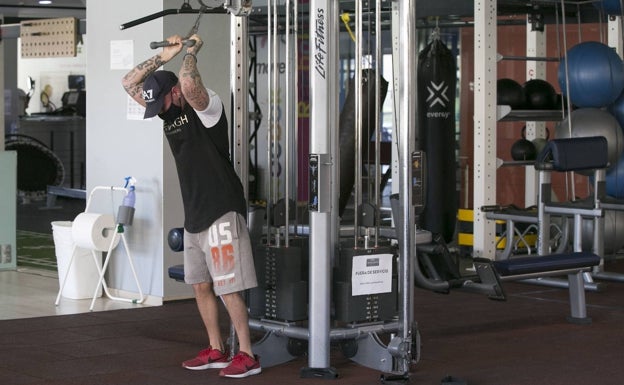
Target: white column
x,y
239,88
615,34
535,69
484,124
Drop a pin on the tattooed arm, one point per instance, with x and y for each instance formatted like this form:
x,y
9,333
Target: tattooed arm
x,y
133,81
193,89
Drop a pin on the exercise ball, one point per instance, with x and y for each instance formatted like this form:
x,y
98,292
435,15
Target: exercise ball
x,y
509,92
617,109
610,7
523,149
595,74
539,95
593,122
614,179
613,228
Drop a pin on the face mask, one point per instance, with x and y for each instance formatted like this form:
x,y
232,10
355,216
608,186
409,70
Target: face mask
x,y
171,114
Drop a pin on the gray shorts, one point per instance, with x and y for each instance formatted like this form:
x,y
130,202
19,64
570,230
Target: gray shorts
x,y
221,255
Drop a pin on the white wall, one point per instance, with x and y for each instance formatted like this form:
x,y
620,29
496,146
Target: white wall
x,y
118,146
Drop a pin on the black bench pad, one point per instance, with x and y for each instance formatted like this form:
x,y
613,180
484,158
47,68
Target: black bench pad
x,y
177,272
553,262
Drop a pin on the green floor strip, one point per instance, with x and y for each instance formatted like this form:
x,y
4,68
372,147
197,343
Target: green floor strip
x,y
35,250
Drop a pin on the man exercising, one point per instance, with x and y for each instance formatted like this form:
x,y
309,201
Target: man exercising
x,y
217,251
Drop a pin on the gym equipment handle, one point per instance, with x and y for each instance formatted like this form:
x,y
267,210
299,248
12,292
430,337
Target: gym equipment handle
x,y
165,43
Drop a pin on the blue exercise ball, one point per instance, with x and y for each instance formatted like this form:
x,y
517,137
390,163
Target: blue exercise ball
x,y
610,7
595,74
615,179
617,109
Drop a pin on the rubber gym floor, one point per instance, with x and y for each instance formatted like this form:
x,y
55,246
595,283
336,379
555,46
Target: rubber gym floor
x,y
525,340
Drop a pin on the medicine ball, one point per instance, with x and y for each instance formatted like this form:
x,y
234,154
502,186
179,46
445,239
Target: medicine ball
x,y
509,92
595,74
523,149
539,95
175,239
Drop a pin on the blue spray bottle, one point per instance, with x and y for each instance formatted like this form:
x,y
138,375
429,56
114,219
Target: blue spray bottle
x,y
130,197
125,214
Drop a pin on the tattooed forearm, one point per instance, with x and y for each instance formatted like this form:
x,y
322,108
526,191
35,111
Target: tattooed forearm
x,y
132,82
192,85
150,65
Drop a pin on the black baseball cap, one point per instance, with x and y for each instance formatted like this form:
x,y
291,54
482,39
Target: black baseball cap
x,y
156,86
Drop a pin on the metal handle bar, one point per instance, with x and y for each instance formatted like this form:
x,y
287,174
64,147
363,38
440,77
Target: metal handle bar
x,y
165,43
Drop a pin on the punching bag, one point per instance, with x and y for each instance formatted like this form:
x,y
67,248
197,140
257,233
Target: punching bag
x,y
348,127
437,78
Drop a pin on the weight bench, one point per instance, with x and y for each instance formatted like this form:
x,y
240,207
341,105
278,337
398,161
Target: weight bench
x,y
587,154
176,272
492,273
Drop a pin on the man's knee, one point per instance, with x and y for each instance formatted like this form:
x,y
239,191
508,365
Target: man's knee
x,y
203,289
232,297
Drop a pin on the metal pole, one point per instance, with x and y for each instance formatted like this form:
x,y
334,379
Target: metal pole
x,y
269,182
358,120
288,120
239,87
378,74
323,99
295,87
274,91
543,236
407,122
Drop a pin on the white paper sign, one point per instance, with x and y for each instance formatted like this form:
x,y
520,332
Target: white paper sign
x,y
134,111
121,54
371,274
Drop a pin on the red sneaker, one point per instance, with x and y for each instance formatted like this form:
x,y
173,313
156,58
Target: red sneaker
x,y
208,359
243,365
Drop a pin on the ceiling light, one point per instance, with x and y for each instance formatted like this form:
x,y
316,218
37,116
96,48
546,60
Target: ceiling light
x,y
45,2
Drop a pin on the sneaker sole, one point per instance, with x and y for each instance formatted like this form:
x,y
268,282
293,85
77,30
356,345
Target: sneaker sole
x,y
214,365
246,374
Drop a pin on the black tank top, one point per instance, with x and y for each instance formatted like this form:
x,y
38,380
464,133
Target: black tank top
x,y
210,187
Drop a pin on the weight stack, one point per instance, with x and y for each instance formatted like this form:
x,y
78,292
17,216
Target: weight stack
x,y
351,308
289,303
364,308
282,272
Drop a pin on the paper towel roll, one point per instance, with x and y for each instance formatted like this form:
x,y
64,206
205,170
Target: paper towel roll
x,y
94,231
